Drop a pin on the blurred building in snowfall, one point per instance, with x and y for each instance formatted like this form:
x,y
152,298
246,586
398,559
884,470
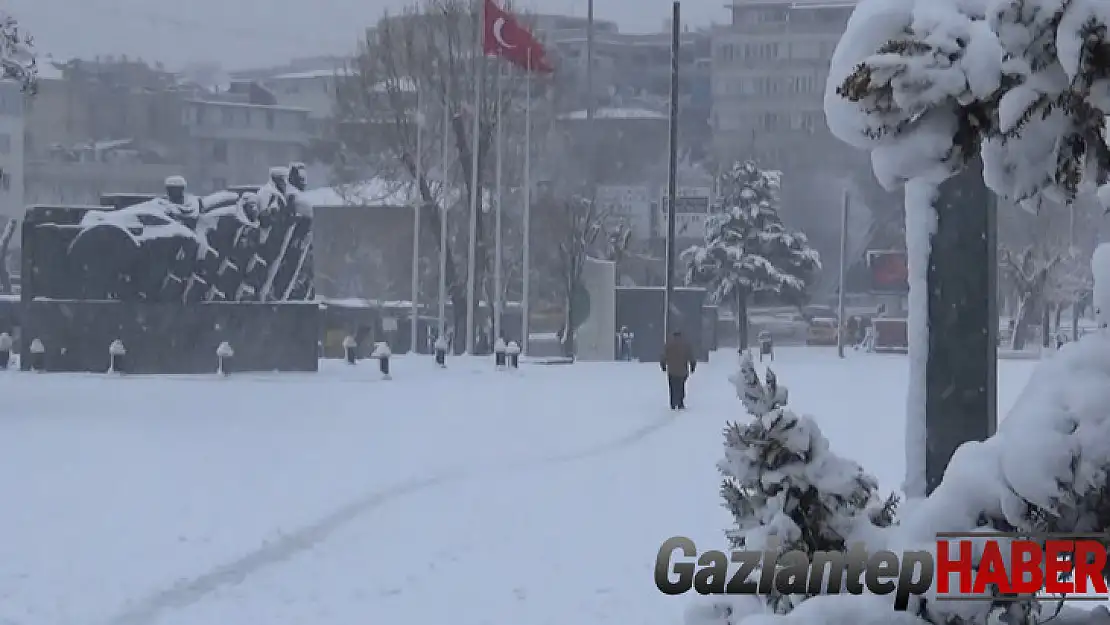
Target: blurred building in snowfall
x,y
770,64
121,125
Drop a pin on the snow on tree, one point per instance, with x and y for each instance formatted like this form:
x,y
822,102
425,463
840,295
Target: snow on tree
x,y
747,247
1045,470
928,86
787,490
17,54
1028,271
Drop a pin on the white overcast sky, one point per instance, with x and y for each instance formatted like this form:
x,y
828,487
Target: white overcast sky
x,y
250,33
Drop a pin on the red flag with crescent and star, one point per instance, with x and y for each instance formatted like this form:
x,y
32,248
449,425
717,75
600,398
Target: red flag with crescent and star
x,y
504,37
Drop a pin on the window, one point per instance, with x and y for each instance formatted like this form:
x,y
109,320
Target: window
x,y
199,111
806,50
754,16
269,120
228,117
5,143
805,122
219,151
803,84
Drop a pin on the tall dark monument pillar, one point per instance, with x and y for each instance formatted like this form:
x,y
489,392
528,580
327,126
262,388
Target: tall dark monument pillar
x,y
961,371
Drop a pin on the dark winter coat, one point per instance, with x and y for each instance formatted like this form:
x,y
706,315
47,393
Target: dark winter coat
x,y
678,357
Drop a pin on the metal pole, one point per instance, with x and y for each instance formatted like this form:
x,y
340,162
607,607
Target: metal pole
x,y
443,199
589,62
414,324
472,252
844,207
672,177
497,304
526,292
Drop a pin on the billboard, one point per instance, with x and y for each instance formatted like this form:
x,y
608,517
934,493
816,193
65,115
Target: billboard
x,y
888,272
691,216
628,204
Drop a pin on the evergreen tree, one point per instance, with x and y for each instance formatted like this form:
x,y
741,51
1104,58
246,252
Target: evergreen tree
x,y
782,484
17,54
748,248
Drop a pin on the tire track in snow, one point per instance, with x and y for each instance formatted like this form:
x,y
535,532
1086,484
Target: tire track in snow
x,y
189,591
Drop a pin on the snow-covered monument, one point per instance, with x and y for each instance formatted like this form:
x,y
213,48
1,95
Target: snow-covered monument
x,y
174,276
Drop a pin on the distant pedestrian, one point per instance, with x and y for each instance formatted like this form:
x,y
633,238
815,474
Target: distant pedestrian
x,y
678,363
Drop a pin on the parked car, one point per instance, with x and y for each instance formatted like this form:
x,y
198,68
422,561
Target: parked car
x,y
819,312
821,331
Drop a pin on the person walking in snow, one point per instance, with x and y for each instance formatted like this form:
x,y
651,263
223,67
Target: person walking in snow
x,y
678,363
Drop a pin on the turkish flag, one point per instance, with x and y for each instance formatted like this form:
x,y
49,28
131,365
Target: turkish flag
x,y
504,37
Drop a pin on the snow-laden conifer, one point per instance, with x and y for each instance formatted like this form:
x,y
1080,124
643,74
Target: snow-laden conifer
x,y
747,247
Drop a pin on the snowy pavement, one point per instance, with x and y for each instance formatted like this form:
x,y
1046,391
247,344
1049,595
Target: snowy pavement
x,y
531,497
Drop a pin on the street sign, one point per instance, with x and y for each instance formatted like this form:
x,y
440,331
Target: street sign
x,y
691,217
698,204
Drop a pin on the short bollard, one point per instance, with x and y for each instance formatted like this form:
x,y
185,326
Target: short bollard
x,y
766,346
224,354
38,355
499,348
350,350
5,350
116,353
440,347
382,354
513,350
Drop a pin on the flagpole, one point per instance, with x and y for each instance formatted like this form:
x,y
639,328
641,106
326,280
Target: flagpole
x,y
497,300
443,199
415,321
472,252
527,206
672,178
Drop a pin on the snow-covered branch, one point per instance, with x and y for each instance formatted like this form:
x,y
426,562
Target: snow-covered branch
x,y
927,85
1045,470
17,54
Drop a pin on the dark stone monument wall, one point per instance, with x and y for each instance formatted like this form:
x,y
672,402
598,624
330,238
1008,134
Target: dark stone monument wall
x,y
641,310
170,285
151,259
173,338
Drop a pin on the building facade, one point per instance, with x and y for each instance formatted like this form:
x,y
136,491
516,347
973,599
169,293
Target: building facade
x,y
11,150
312,90
769,71
634,70
117,126
236,142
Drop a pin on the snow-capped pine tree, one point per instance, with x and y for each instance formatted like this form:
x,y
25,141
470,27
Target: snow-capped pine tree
x,y
783,483
747,247
17,54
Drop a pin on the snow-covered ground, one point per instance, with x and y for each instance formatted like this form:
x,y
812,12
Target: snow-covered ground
x,y
469,496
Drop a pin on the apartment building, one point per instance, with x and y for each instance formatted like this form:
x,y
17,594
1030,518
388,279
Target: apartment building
x,y
769,71
11,150
116,126
313,90
235,138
